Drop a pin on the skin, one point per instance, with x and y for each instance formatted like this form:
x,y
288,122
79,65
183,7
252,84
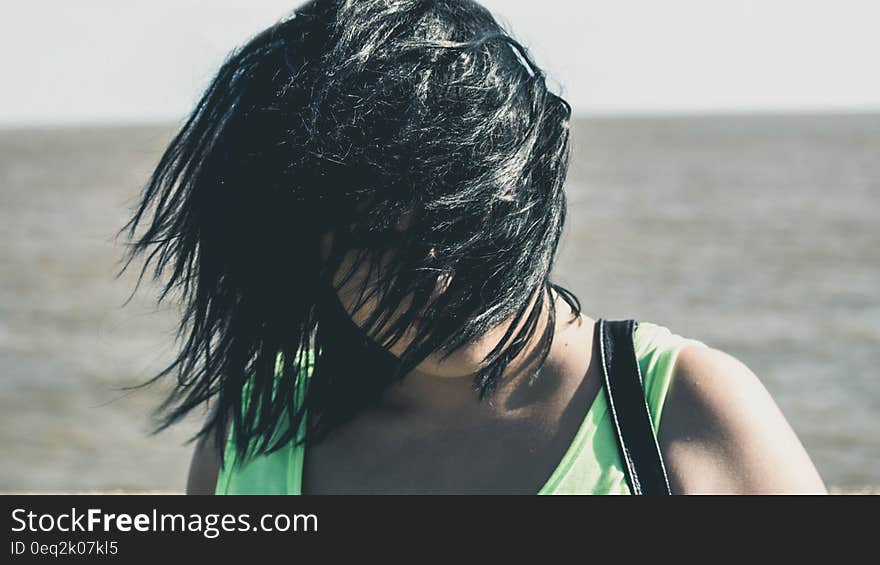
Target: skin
x,y
725,433
721,433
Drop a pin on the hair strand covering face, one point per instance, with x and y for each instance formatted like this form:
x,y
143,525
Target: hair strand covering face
x,y
345,118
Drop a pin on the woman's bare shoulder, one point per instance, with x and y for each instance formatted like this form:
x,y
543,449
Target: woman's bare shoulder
x,y
722,432
204,467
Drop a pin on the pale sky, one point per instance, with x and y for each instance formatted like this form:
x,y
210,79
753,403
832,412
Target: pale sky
x,y
89,61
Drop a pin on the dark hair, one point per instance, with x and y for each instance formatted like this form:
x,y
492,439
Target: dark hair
x,y
342,119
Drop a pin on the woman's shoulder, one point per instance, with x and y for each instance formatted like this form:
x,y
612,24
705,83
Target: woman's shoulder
x,y
205,464
722,431
657,349
207,467
656,345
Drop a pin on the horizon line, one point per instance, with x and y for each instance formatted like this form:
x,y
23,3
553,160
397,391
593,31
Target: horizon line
x,y
621,114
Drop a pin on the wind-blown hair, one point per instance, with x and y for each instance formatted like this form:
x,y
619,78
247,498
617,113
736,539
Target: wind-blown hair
x,y
344,118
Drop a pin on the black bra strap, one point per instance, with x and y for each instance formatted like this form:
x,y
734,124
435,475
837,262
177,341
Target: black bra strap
x,y
625,392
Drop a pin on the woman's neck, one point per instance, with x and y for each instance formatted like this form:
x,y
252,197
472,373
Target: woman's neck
x,y
425,392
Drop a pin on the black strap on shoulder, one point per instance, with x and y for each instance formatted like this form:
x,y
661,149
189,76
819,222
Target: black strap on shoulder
x,y
629,410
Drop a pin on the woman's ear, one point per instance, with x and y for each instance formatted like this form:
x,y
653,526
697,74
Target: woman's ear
x,y
406,220
326,245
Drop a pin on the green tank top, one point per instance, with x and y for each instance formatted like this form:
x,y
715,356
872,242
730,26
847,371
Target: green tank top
x,y
591,464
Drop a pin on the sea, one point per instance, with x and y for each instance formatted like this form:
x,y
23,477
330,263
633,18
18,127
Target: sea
x,y
756,234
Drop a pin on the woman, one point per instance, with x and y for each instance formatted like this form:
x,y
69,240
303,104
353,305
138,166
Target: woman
x,y
361,217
